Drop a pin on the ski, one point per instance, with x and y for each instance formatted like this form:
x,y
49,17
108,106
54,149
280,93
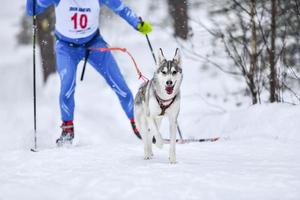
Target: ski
x,y
192,140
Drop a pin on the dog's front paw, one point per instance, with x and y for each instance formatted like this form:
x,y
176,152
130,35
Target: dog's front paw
x,y
172,160
148,156
172,157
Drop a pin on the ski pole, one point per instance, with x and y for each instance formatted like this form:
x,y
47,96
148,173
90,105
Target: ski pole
x,y
193,140
149,43
86,57
34,27
179,131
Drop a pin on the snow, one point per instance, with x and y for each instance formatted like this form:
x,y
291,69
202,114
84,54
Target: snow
x,y
257,156
223,170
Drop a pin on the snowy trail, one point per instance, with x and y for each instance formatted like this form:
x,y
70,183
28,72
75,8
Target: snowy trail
x,y
257,169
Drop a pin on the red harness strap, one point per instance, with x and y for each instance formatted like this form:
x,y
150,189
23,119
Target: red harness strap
x,y
141,76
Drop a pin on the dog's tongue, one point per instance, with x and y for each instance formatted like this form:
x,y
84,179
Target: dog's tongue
x,y
169,89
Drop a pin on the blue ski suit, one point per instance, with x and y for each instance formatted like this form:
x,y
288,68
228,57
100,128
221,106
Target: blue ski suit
x,y
72,44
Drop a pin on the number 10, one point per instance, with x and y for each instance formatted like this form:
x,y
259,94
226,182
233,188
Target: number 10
x,y
83,20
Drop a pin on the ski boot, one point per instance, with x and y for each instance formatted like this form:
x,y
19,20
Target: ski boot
x,y
135,130
67,134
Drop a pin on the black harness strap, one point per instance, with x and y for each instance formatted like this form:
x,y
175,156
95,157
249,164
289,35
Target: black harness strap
x,y
161,104
75,45
86,57
86,45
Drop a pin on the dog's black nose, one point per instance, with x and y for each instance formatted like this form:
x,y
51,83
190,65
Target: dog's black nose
x,y
169,82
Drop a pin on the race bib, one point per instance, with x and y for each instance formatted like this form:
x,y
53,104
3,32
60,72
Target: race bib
x,y
77,18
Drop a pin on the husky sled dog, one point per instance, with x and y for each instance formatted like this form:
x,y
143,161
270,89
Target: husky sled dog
x,y
157,98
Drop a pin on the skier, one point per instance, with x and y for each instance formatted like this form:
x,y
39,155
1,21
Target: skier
x,y
76,31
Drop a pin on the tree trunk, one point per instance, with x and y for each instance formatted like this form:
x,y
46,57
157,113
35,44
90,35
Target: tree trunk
x,y
253,56
45,24
24,37
274,86
178,10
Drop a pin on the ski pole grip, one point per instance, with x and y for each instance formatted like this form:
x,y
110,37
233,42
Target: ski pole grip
x,y
142,21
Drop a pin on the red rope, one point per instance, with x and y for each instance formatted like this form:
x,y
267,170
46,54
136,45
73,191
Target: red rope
x,y
102,49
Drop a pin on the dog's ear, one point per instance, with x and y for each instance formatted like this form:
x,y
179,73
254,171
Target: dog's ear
x,y
177,56
161,57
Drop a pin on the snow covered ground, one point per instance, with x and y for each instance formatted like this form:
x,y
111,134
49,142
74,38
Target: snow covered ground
x,y
258,169
256,158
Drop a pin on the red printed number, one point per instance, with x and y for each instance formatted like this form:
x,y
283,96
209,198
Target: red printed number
x,y
83,20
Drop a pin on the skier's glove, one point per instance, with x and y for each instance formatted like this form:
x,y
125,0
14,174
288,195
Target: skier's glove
x,y
144,27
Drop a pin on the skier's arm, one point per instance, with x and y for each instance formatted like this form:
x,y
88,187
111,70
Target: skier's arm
x,y
40,6
122,10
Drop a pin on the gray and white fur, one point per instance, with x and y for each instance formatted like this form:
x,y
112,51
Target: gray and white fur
x,y
158,98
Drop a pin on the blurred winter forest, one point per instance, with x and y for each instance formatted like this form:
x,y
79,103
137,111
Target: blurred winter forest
x,y
256,41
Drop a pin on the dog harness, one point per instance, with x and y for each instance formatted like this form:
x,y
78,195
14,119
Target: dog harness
x,y
161,102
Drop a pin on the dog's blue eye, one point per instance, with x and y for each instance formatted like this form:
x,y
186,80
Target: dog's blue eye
x,y
174,72
164,73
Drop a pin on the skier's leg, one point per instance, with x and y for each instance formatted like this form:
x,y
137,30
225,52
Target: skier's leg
x,y
67,59
106,65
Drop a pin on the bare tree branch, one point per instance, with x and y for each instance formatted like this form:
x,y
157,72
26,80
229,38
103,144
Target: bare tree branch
x,y
291,90
191,51
242,7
